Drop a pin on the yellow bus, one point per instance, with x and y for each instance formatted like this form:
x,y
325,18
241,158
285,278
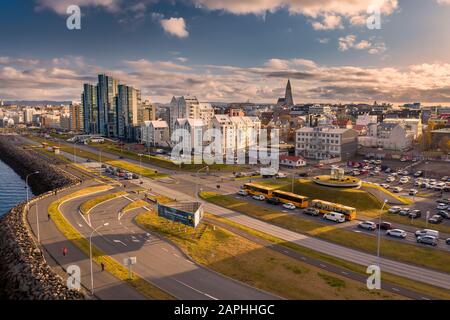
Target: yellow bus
x,y
327,207
257,189
289,197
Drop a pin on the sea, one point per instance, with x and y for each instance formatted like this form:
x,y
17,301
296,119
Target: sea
x,y
12,188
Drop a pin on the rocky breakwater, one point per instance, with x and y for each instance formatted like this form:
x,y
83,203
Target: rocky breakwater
x,y
24,272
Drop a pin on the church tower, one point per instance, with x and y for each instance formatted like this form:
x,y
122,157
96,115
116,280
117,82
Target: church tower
x,y
288,95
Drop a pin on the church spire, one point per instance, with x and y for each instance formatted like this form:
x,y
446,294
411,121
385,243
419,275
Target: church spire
x,y
288,95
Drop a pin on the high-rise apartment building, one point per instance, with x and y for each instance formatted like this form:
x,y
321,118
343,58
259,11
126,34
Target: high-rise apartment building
x,y
90,109
107,90
128,111
76,117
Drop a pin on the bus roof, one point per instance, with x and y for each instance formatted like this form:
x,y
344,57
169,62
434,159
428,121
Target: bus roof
x,y
289,194
334,204
259,186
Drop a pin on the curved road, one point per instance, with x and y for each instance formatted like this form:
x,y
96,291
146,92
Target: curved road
x,y
157,260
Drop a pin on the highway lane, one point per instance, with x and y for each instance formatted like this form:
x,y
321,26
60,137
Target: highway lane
x,y
158,261
428,276
182,191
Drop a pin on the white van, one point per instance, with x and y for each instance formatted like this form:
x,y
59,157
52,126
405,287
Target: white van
x,y
129,176
334,216
427,232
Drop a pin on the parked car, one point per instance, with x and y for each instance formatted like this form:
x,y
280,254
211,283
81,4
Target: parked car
x,y
404,212
289,206
418,174
427,232
433,241
396,233
367,225
415,214
413,192
444,201
334,216
135,176
242,192
394,210
397,190
442,206
447,241
436,219
388,170
259,197
384,225
385,185
103,166
311,211
390,179
273,201
444,214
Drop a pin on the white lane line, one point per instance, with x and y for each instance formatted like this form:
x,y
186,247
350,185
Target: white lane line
x,y
395,289
303,258
165,249
285,251
196,290
189,261
425,298
343,272
118,241
322,265
176,255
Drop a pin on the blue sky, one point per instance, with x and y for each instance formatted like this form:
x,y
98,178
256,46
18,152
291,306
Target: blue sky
x,y
229,50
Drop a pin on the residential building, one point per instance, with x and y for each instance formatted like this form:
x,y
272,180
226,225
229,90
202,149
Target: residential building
x,y
292,161
387,136
76,118
180,108
50,121
28,115
323,143
64,122
191,132
90,109
319,109
155,133
128,110
148,112
107,89
411,125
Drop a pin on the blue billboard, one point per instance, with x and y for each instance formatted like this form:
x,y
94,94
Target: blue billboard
x,y
186,213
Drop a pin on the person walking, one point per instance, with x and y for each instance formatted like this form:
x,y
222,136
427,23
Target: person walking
x,y
48,216
64,251
103,266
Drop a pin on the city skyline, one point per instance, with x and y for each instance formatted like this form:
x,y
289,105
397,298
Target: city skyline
x,y
229,51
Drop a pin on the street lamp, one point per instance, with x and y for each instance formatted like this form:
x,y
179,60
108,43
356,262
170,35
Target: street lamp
x,y
379,232
140,165
28,208
90,253
196,184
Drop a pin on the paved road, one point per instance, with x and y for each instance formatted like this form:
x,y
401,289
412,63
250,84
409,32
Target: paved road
x,y
402,269
158,261
185,191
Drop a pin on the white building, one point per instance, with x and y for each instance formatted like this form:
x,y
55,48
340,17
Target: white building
x,y
411,125
28,115
201,110
292,161
191,133
323,143
366,119
155,133
319,109
180,108
388,136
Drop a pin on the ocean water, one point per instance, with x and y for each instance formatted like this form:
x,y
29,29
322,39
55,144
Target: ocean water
x,y
12,188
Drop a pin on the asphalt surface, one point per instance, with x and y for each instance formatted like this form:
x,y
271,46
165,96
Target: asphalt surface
x,y
158,261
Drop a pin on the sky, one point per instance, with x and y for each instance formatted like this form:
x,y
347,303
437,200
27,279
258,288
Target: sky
x,y
230,50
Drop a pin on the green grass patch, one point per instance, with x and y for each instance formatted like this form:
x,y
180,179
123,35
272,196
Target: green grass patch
x,y
402,200
98,256
134,205
409,253
394,279
88,205
246,261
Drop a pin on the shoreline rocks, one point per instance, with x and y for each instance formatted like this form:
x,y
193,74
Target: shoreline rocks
x,y
24,273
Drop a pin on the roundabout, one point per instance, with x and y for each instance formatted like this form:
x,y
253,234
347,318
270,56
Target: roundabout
x,y
337,179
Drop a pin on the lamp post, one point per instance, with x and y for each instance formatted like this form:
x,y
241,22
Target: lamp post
x,y
90,253
140,165
379,232
196,185
28,208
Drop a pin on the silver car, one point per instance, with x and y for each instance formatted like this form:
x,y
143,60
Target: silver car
x,y
433,241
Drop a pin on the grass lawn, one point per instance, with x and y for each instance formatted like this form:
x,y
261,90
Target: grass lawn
x,y
394,279
408,253
387,192
145,172
111,265
88,205
134,205
256,265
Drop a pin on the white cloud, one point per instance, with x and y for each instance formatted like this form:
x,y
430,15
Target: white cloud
x,y
350,42
175,27
323,40
62,80
329,22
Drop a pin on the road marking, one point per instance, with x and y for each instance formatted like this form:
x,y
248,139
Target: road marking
x,y
204,293
118,241
303,258
425,298
176,255
343,272
285,251
322,265
189,261
165,249
396,290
